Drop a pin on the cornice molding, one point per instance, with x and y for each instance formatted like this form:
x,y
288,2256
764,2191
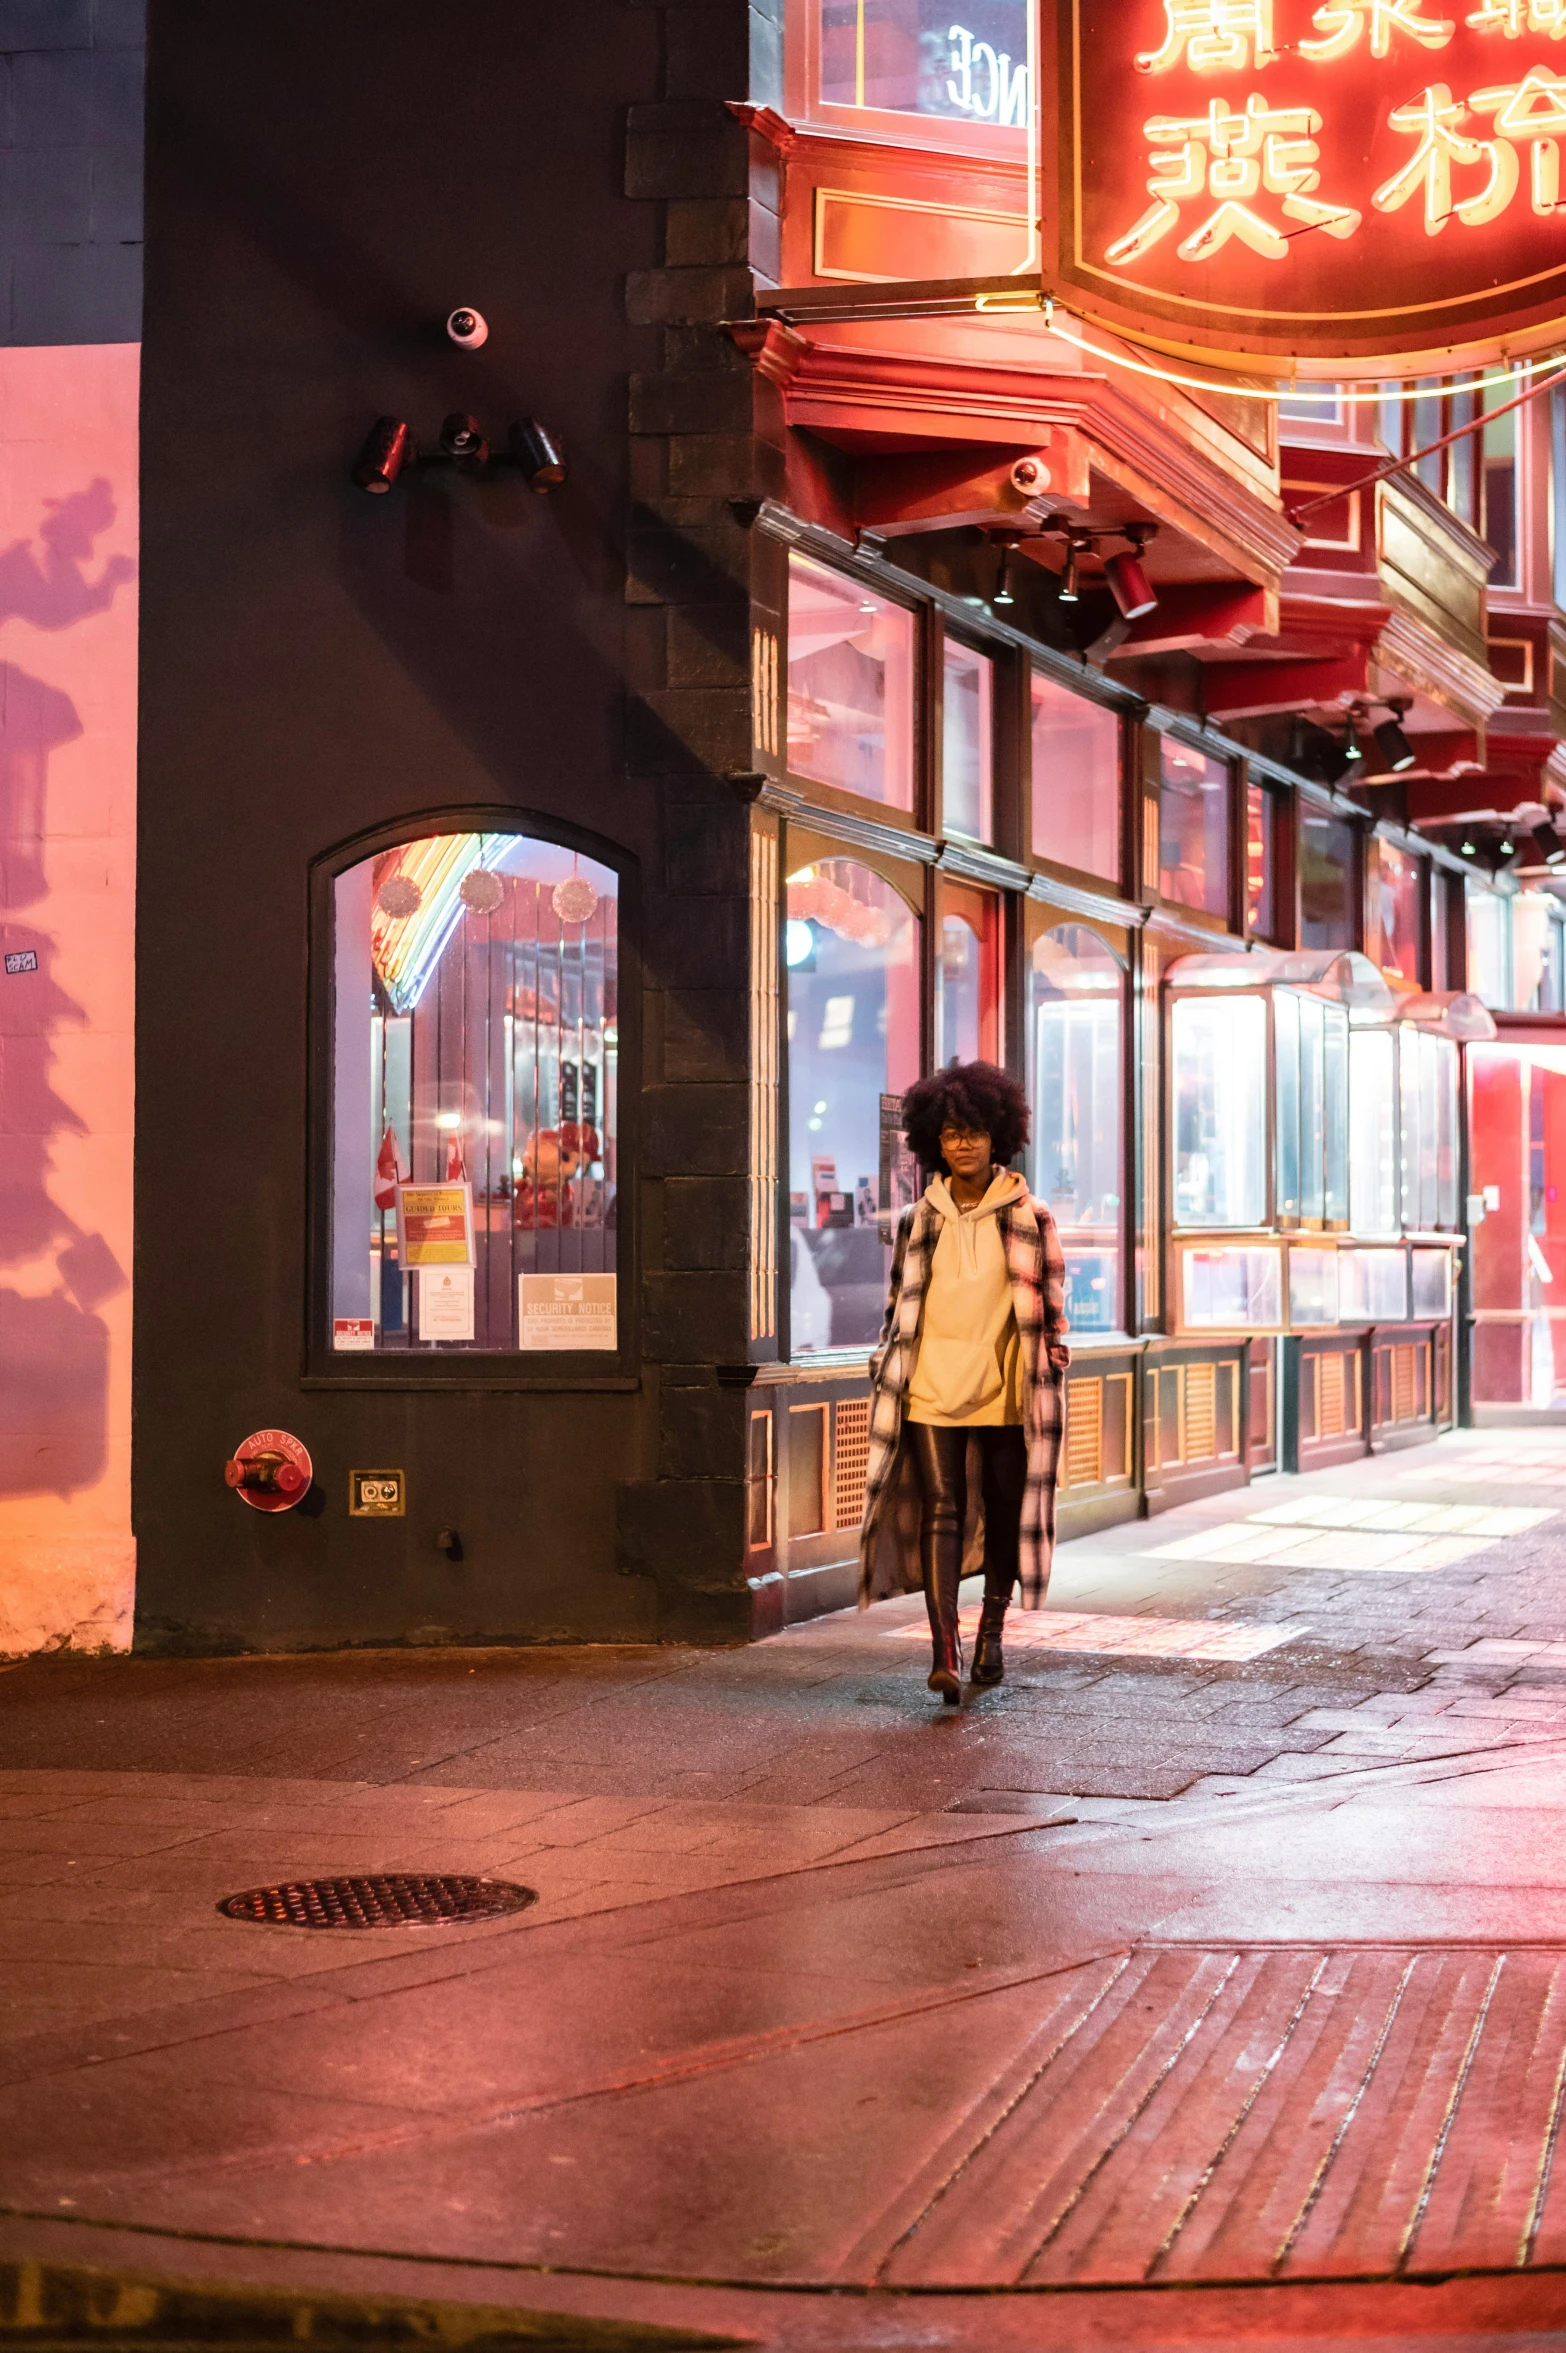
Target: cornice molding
x,y
1450,677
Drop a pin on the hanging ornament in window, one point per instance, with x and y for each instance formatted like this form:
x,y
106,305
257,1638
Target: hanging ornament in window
x,y
574,900
398,896
481,891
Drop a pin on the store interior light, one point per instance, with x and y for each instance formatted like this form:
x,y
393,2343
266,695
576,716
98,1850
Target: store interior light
x,y
799,943
1548,843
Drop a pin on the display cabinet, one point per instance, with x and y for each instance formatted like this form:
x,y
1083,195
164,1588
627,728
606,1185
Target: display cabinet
x,y
1314,1184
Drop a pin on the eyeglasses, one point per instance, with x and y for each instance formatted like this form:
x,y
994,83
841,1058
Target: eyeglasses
x,y
965,1135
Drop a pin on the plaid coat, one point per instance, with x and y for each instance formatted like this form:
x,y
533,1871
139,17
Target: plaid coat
x,y
889,1533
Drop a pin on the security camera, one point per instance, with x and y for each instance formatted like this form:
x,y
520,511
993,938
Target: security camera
x,y
467,328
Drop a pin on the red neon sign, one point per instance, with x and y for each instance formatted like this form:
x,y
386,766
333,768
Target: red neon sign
x,y
1336,179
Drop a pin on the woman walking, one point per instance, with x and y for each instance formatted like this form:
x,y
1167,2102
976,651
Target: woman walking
x,y
967,1379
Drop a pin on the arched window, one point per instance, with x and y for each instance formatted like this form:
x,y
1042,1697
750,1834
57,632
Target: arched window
x,y
475,1099
1076,990
852,950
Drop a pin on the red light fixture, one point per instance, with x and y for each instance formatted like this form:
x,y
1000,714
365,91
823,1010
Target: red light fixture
x,y
1129,585
387,448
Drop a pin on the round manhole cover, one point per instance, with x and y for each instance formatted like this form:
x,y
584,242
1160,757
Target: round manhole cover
x,y
389,1899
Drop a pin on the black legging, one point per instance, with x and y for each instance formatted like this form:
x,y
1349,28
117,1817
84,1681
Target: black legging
x,y
941,1461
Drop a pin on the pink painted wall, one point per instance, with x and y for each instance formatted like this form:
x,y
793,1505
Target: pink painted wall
x,y
68,454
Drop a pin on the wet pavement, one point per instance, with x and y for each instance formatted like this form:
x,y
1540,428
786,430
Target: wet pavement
x,y
1206,1982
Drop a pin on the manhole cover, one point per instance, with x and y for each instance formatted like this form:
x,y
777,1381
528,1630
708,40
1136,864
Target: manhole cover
x,y
391,1899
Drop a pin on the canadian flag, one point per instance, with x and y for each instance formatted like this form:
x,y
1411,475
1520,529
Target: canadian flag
x,y
456,1174
390,1169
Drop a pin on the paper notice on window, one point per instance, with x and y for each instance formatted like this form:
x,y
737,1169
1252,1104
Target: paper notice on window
x,y
353,1331
435,1225
445,1303
566,1311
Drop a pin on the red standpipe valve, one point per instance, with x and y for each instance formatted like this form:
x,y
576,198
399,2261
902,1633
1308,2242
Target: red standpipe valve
x,y
271,1471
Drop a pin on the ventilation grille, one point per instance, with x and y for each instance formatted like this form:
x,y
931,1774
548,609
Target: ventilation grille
x,y
851,1462
1201,1412
1084,1433
1331,1421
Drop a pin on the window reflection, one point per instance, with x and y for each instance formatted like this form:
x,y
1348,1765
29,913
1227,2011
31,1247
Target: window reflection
x,y
968,976
1394,909
1076,988
966,63
1193,829
1328,884
1261,862
1076,780
850,685
967,733
475,1098
852,952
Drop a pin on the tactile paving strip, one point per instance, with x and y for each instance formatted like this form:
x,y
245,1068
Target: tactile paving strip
x,y
1196,2114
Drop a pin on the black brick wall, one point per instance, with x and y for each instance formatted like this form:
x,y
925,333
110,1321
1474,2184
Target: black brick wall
x,y
71,75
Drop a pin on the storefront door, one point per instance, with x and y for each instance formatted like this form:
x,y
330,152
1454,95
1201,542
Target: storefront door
x,y
1517,1175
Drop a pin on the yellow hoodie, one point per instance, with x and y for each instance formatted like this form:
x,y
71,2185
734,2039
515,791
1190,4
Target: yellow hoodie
x,y
969,1370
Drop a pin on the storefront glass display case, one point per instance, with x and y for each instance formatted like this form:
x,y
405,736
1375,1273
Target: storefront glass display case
x,y
1194,793
967,742
1076,780
1270,1136
850,685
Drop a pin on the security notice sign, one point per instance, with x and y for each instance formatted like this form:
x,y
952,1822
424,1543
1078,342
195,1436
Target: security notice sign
x,y
566,1311
435,1225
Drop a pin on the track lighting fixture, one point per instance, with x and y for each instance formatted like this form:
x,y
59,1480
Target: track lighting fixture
x,y
539,454
1392,743
1352,752
1470,849
1548,843
387,448
1128,583
1003,592
1070,583
1508,849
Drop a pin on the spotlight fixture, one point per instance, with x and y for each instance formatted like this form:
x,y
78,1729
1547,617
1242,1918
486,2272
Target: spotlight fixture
x,y
1351,743
387,448
1003,592
1470,849
1508,849
1392,743
1070,583
539,454
1128,583
1548,843
462,438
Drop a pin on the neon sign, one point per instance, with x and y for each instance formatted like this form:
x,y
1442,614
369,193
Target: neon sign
x,y
1325,179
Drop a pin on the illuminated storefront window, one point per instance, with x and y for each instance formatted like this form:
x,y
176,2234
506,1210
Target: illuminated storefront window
x,y
1395,896
1488,920
1076,780
475,1099
1501,508
850,685
1193,829
1329,881
967,742
961,65
851,946
1536,952
1076,991
968,975
1261,863
1427,1119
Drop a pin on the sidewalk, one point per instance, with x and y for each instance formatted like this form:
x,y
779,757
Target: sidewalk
x,y
1205,1982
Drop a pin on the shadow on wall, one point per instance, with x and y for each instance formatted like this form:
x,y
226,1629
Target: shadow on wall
x,y
54,1348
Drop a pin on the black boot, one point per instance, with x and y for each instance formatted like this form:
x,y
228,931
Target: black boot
x,y
989,1662
940,1595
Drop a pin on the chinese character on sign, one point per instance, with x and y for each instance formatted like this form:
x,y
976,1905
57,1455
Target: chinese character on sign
x,y
1516,17
1341,22
1233,158
1528,113
1212,36
1532,111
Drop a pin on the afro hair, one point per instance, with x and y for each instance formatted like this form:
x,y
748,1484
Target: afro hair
x,y
966,1094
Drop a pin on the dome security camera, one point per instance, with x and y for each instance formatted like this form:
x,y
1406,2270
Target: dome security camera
x,y
468,328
